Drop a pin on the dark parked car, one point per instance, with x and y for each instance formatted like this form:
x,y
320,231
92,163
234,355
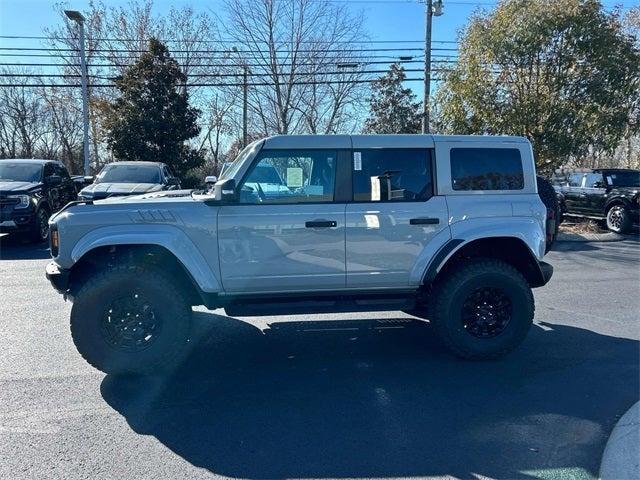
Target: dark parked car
x,y
30,191
603,194
130,178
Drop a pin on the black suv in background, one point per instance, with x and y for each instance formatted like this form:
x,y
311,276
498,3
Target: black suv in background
x,y
30,191
603,194
130,178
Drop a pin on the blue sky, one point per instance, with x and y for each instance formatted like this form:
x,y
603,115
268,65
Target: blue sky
x,y
385,19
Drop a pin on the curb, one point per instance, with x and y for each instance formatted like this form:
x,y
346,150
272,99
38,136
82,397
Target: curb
x,y
589,237
620,460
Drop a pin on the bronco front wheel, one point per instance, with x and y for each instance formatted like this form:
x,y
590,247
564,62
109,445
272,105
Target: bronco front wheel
x,y
130,320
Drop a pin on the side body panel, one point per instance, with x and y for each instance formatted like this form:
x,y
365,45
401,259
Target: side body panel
x,y
269,248
384,249
187,229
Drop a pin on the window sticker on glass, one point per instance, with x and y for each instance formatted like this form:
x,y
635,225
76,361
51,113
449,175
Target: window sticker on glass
x,y
294,177
357,161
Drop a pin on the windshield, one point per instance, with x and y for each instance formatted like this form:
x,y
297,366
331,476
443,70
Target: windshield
x,y
231,170
129,174
623,179
20,172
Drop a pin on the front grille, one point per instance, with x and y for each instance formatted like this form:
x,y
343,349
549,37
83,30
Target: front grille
x,y
9,201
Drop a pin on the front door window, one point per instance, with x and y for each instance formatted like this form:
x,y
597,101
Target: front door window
x,y
290,176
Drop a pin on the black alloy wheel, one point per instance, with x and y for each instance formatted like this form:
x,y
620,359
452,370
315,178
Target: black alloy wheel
x,y
130,323
486,312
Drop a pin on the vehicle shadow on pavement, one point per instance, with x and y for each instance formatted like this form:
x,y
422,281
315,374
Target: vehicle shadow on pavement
x,y
380,398
15,248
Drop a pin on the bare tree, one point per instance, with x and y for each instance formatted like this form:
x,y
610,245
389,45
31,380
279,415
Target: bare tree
x,y
293,48
22,124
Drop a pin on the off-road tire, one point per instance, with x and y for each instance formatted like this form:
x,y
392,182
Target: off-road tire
x,y
169,302
623,222
450,293
40,225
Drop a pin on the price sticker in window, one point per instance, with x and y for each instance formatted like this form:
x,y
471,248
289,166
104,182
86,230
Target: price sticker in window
x,y
357,161
294,177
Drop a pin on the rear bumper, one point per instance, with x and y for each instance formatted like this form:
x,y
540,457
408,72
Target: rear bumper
x,y
59,277
544,274
547,271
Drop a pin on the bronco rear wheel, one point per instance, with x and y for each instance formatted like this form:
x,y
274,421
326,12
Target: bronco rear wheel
x,y
483,309
130,320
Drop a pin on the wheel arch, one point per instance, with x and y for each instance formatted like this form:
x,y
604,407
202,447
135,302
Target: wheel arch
x,y
512,250
612,202
166,244
151,255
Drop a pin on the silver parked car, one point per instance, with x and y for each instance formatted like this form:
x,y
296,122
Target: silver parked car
x,y
449,228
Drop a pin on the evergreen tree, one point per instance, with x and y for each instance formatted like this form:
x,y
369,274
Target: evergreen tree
x,y
393,108
152,119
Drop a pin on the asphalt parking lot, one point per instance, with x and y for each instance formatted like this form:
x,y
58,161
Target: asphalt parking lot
x,y
341,396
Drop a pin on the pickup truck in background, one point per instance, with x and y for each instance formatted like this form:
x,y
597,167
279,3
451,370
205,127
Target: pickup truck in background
x,y
30,191
612,195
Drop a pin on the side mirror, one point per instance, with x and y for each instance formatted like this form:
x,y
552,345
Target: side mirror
x,y
599,185
210,179
173,181
54,180
225,191
88,179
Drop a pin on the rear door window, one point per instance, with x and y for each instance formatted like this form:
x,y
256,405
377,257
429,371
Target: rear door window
x,y
486,169
392,175
575,179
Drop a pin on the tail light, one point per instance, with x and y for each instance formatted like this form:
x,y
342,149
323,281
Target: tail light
x,y
54,240
551,225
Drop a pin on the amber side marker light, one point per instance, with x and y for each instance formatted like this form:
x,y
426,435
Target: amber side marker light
x,y
55,242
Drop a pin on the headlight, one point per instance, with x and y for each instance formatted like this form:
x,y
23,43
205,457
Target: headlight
x,y
85,196
24,200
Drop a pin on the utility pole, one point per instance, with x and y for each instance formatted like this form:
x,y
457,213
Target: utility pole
x,y
79,19
432,8
245,92
245,88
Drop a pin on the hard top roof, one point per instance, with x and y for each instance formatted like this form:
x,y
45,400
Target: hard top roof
x,y
377,141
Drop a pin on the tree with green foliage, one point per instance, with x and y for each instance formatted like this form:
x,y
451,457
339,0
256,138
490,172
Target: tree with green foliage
x,y
393,108
563,73
151,119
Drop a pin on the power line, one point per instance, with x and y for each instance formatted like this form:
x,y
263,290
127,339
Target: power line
x,y
251,84
100,65
220,41
127,50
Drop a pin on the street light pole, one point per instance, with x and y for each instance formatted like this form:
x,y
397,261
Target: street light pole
x,y
79,19
432,8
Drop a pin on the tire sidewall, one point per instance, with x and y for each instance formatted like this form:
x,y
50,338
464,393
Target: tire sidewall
x,y
90,305
42,215
515,331
625,219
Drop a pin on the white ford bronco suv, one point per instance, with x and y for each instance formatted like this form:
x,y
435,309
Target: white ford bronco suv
x,y
446,228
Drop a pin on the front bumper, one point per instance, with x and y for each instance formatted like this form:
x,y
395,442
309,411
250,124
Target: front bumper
x,y
59,277
20,222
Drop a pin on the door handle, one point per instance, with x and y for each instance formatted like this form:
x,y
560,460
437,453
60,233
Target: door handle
x,y
321,224
424,221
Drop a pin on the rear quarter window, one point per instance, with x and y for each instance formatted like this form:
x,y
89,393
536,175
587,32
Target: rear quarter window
x,y
486,169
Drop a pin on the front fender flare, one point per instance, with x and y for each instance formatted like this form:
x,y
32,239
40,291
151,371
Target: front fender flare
x,y
168,236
